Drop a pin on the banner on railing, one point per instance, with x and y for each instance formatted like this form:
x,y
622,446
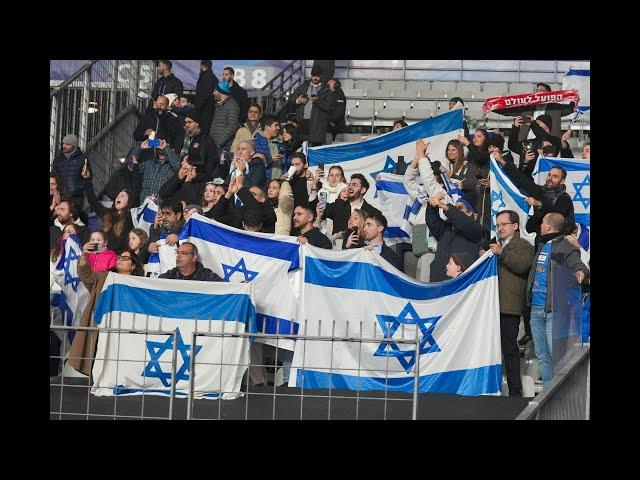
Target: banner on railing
x,y
139,363
448,331
250,74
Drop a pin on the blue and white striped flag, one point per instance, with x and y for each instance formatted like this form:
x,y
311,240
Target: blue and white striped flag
x,y
380,154
263,259
73,299
144,215
393,201
506,196
452,328
138,363
580,79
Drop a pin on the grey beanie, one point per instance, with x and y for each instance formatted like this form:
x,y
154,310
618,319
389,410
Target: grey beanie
x,y
71,139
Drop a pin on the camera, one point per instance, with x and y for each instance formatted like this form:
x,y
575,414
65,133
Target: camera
x,y
154,143
94,247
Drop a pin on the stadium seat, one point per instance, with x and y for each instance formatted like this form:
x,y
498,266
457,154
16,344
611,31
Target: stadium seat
x,y
519,88
492,89
443,89
473,110
361,110
353,92
416,93
368,84
469,95
392,109
417,114
418,85
374,93
396,86
347,83
473,87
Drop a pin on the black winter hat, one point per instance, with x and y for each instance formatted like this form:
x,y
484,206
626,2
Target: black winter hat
x,y
206,63
316,71
193,115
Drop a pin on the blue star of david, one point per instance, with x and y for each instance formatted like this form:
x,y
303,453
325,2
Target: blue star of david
x,y
388,168
408,316
239,267
157,349
578,197
68,277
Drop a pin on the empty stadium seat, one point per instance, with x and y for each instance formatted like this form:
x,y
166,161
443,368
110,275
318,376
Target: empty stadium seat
x,y
418,85
392,109
473,110
417,114
393,86
374,93
416,93
368,84
361,110
519,88
492,89
443,89
353,92
468,94
473,87
347,83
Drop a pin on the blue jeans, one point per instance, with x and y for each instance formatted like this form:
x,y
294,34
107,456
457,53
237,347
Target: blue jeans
x,y
541,330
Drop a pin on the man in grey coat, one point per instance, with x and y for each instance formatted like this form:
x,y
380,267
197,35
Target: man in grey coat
x,y
225,118
552,246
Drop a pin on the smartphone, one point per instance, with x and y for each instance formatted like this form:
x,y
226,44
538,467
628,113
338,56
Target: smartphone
x,y
154,143
321,166
322,197
400,161
526,120
353,230
94,247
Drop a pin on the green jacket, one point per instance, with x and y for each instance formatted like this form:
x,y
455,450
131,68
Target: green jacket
x,y
514,264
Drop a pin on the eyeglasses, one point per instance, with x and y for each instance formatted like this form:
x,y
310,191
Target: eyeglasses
x,y
504,224
123,257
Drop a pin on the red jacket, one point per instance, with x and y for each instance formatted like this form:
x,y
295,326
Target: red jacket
x,y
103,261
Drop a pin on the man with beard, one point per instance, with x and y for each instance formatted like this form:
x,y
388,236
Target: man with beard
x,y
303,217
196,141
545,199
314,103
238,93
168,82
68,166
161,123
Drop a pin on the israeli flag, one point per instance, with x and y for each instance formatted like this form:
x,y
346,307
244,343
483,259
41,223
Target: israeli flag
x,y
444,335
266,260
129,363
580,79
73,299
380,154
393,201
144,215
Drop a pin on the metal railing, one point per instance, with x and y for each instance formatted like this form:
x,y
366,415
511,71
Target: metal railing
x,y
274,95
92,102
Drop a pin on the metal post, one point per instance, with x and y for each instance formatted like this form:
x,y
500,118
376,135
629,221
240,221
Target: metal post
x,y
114,92
173,372
416,380
192,366
84,110
588,405
53,130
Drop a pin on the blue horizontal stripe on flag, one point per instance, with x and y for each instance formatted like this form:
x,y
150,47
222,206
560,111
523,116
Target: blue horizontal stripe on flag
x,y
395,232
365,276
430,127
120,390
241,241
271,324
393,187
171,304
578,73
474,381
583,218
547,164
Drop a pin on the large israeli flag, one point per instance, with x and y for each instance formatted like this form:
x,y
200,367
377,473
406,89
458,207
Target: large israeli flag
x,y
263,259
380,154
506,196
129,363
580,79
73,299
144,215
393,201
444,335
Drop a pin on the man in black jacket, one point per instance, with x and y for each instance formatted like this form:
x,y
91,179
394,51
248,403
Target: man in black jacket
x,y
196,141
238,93
189,183
314,102
168,82
545,199
303,217
165,124
203,100
340,210
374,227
68,166
188,267
459,233
336,116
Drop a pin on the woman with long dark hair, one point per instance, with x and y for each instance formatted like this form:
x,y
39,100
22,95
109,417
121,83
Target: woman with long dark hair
x,y
476,183
116,220
280,198
291,143
456,165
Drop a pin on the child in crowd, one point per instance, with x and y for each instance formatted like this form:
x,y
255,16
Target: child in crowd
x,y
101,258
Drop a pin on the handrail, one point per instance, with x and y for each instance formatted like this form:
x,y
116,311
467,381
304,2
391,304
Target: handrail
x,y
72,78
270,82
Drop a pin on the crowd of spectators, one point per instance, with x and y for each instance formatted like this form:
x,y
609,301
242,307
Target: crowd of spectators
x,y
223,157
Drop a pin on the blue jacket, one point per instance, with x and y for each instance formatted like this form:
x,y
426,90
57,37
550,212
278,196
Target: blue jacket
x,y
69,171
257,176
261,145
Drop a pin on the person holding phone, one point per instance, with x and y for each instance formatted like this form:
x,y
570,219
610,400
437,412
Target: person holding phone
x,y
353,236
314,103
333,184
100,257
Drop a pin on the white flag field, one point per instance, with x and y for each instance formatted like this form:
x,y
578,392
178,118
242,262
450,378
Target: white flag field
x,y
445,336
380,154
144,215
73,299
506,196
580,79
141,363
396,205
266,260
